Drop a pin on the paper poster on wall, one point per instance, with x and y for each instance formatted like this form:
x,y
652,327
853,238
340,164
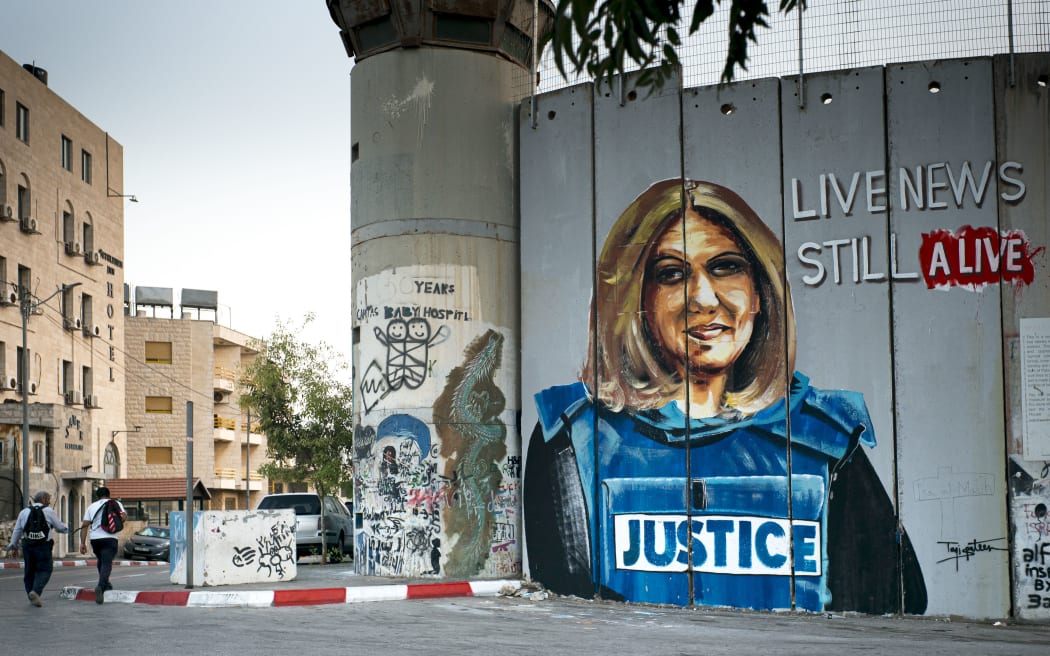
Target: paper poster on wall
x,y
1035,388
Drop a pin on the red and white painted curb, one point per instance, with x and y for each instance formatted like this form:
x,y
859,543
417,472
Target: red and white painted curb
x,y
91,563
305,597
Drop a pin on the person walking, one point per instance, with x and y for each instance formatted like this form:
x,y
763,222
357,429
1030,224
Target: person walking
x,y
34,527
103,543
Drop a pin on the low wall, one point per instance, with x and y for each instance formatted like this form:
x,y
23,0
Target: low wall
x,y
235,546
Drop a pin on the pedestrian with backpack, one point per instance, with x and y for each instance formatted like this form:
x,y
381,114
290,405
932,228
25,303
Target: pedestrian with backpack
x,y
104,519
34,526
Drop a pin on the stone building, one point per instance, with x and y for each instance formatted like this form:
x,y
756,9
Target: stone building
x,y
177,360
61,260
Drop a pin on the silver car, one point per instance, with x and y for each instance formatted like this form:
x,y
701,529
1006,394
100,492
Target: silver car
x,y
307,506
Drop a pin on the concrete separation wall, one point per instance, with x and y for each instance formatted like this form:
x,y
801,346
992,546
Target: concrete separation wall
x,y
787,347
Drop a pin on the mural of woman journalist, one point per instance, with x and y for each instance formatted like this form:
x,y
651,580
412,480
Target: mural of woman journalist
x,y
675,448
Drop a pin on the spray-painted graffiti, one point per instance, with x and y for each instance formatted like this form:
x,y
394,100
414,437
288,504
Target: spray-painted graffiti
x,y
1032,555
272,552
373,386
963,552
404,316
973,258
408,344
397,493
407,507
677,478
1037,573
473,442
436,488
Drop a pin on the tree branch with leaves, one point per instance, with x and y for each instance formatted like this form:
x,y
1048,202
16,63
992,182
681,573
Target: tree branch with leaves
x,y
294,390
603,38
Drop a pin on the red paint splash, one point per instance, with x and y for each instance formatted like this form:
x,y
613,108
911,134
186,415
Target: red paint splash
x,y
975,257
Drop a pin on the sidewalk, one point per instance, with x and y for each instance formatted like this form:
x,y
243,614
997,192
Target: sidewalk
x,y
313,585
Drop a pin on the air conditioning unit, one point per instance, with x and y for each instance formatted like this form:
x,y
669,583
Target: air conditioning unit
x,y
73,248
74,397
8,298
92,401
7,213
70,323
97,331
28,224
10,384
32,389
92,258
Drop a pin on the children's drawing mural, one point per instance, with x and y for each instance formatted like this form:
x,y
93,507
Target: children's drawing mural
x,y
686,449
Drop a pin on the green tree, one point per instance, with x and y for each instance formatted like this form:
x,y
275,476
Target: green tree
x,y
599,38
294,390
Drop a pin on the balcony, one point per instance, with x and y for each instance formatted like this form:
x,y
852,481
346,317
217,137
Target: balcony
x,y
232,479
224,380
255,437
225,429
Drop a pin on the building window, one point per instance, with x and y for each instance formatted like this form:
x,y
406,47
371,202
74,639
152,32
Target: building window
x,y
111,462
158,405
22,122
87,382
68,227
68,307
67,377
25,281
158,352
158,455
2,103
67,153
88,237
23,202
38,453
85,166
87,314
3,364
3,452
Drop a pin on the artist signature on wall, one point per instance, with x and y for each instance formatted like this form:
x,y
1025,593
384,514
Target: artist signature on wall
x,y
958,551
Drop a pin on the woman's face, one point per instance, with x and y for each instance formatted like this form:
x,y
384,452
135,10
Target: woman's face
x,y
699,296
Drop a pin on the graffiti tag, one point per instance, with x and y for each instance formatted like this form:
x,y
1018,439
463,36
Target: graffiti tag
x,y
964,552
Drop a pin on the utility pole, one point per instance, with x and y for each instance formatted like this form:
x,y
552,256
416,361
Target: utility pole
x,y
247,460
27,307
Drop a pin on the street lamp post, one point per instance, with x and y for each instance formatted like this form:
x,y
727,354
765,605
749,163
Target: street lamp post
x,y
27,308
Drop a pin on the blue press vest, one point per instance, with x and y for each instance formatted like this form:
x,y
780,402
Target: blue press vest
x,y
730,507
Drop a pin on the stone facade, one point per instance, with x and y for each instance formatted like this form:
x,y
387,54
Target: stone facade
x,y
206,361
61,179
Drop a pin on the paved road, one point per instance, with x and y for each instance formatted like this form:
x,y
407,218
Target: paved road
x,y
472,625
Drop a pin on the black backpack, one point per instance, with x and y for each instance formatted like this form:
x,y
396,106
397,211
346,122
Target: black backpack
x,y
111,519
36,528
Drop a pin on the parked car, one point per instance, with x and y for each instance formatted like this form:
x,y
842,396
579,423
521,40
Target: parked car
x,y
339,524
149,543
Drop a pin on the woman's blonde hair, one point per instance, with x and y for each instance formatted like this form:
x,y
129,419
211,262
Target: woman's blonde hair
x,y
622,357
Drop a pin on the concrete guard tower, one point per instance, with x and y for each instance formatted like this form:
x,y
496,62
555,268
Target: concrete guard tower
x,y
435,276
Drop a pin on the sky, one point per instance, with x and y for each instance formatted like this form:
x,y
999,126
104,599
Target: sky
x,y
234,116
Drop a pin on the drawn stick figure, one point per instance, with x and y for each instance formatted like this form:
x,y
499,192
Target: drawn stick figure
x,y
407,347
394,340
